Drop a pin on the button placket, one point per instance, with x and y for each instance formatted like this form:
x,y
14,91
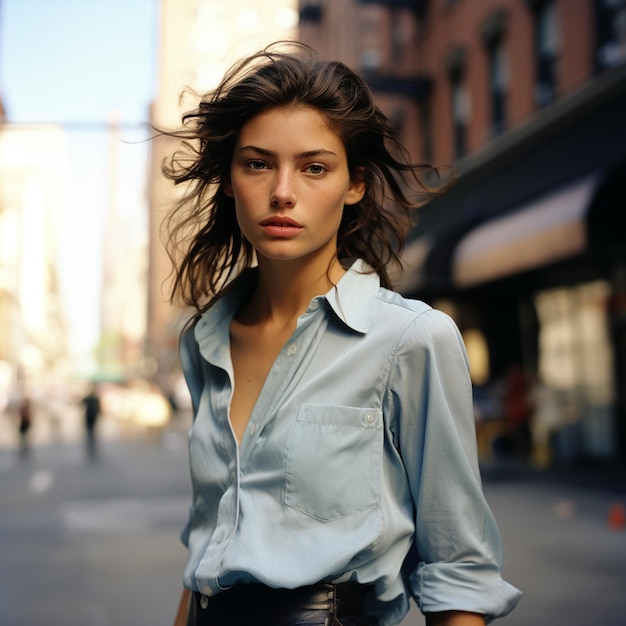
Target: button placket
x,y
279,379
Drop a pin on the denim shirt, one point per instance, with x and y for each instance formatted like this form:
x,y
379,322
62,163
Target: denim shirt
x,y
358,461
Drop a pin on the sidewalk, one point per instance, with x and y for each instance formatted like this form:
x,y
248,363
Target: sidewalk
x,y
608,476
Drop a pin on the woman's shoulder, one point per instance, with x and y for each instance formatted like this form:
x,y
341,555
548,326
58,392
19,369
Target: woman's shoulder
x,y
398,306
391,298
415,318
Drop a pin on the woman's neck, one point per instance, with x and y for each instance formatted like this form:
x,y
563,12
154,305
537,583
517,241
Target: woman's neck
x,y
285,290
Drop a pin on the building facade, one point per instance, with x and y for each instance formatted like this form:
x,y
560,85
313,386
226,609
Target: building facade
x,y
525,98
32,322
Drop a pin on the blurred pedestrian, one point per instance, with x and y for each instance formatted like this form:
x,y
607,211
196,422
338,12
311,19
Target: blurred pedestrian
x,y
333,451
517,411
25,416
91,404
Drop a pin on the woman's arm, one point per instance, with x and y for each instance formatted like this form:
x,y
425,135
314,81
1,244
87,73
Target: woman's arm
x,y
454,618
457,541
183,609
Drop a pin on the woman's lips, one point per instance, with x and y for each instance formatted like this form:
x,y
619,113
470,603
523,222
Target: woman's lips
x,y
280,227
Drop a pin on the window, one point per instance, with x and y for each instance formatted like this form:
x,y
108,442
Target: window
x,y
576,364
493,37
371,59
400,34
311,11
498,80
460,105
460,112
546,48
611,33
426,124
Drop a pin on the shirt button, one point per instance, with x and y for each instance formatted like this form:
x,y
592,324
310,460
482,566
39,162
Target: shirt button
x,y
369,418
315,305
252,429
207,591
292,349
220,538
204,601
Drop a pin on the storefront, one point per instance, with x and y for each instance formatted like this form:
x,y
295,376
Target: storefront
x,y
528,253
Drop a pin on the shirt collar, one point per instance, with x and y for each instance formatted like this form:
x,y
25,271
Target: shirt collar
x,y
218,317
352,300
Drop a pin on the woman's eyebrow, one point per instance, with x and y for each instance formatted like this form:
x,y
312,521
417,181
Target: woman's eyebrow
x,y
301,155
314,153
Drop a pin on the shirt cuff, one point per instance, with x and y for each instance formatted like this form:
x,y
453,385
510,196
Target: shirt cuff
x,y
472,587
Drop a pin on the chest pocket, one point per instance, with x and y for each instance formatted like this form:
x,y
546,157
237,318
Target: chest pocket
x,y
334,461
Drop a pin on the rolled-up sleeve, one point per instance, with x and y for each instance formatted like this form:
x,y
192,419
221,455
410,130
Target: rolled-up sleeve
x,y
458,544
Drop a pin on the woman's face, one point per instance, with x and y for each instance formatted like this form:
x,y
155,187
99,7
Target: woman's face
x,y
290,181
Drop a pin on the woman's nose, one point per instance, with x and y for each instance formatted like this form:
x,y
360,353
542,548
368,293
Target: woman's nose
x,y
283,193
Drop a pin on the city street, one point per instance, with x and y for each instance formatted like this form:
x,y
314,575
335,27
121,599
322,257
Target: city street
x,y
96,544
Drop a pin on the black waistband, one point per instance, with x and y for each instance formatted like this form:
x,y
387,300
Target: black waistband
x,y
349,596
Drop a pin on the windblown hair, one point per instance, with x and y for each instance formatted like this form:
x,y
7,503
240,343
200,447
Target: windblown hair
x,y
202,236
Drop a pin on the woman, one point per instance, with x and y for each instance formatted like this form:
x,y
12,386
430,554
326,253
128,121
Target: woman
x,y
332,452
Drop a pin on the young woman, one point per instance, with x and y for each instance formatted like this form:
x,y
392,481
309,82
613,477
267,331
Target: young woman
x,y
332,453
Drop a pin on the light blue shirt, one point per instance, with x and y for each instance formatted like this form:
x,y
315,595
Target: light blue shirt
x,y
358,461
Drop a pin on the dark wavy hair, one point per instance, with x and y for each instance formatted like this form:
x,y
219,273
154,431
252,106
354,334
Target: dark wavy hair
x,y
202,236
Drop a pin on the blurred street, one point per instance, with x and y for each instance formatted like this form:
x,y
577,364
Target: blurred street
x,y
96,544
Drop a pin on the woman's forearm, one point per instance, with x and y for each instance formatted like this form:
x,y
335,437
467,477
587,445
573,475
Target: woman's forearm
x,y
454,618
183,609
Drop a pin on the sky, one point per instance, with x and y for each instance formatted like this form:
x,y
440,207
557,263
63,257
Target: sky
x,y
82,63
77,60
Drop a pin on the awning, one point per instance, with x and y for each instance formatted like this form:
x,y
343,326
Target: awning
x,y
548,230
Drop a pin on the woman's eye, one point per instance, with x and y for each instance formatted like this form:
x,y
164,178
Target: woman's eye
x,y
316,168
256,165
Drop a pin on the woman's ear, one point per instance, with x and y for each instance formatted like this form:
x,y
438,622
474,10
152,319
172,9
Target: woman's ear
x,y
356,190
228,188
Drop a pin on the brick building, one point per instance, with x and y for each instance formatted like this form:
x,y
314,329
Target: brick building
x,y
526,98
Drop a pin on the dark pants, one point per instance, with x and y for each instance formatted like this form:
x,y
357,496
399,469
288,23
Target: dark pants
x,y
323,604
